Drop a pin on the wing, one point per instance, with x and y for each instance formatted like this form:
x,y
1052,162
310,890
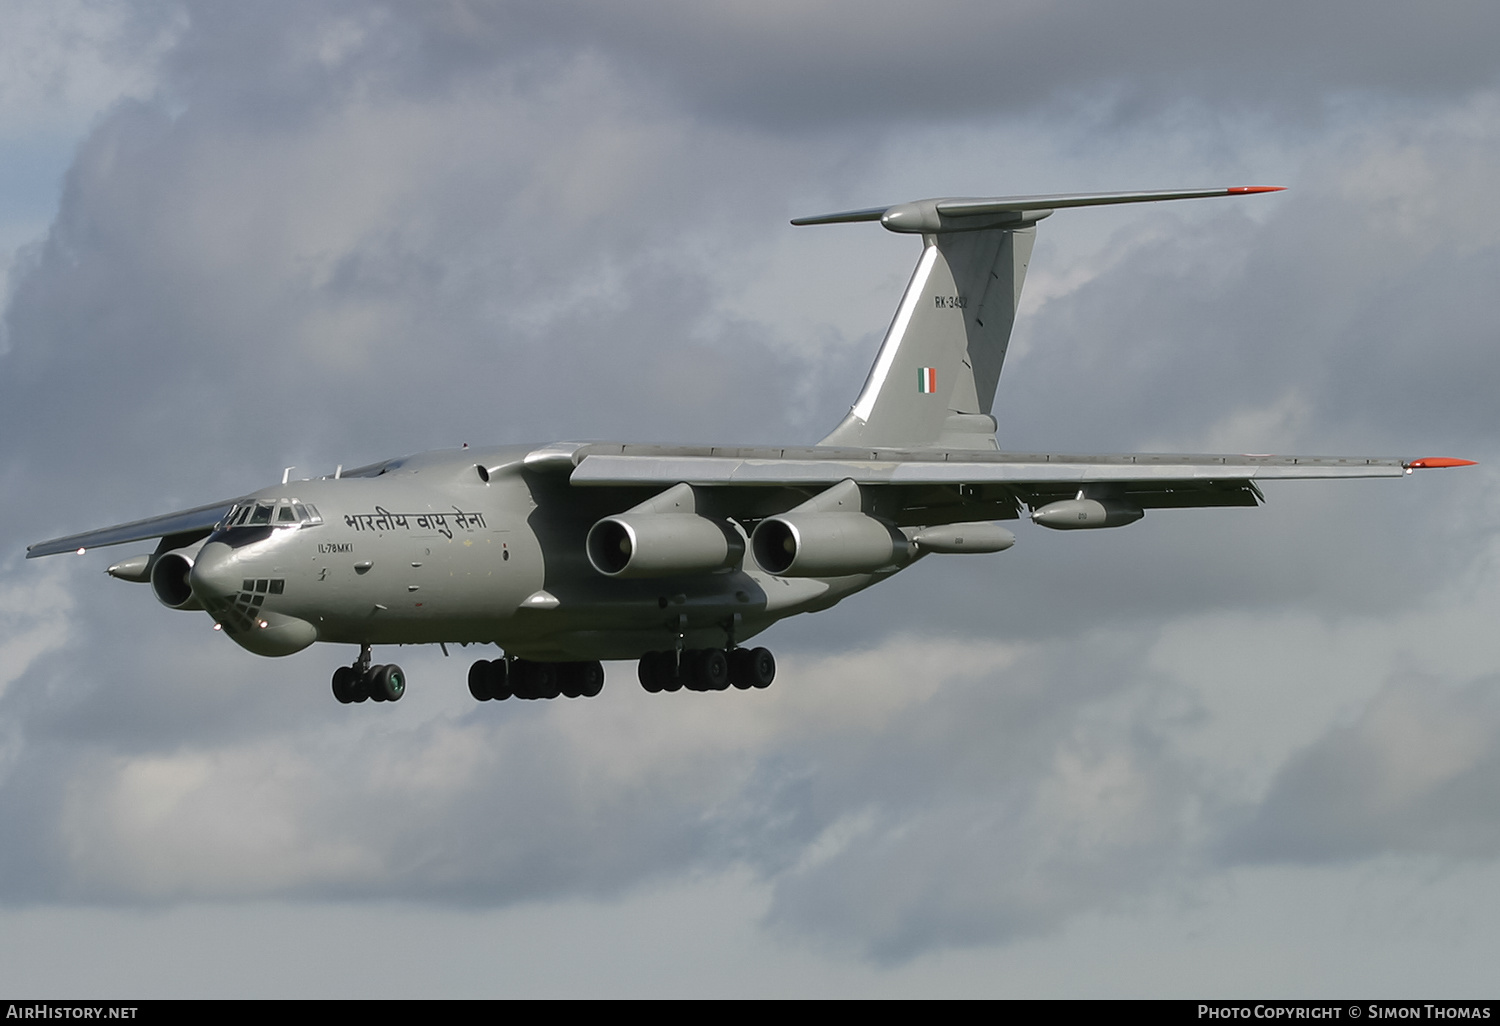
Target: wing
x,y
189,525
936,486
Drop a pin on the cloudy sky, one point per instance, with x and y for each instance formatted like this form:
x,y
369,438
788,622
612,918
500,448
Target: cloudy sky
x,y
1217,752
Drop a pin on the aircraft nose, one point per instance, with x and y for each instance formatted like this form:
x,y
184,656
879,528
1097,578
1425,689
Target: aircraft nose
x,y
215,573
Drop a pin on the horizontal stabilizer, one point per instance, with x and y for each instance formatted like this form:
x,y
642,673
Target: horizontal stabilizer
x,y
949,214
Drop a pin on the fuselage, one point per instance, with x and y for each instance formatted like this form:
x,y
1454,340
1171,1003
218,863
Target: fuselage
x,y
471,546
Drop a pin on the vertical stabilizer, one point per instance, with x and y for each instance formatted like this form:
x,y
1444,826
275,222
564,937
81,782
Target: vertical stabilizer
x,y
933,382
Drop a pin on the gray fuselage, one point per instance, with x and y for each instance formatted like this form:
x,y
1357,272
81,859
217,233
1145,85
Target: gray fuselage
x,y
473,546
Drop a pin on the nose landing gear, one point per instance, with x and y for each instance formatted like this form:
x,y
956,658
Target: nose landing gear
x,y
364,681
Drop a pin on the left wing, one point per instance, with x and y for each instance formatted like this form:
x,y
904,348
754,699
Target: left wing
x,y
189,525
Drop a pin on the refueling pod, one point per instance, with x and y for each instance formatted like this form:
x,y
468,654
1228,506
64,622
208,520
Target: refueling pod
x,y
960,538
1082,514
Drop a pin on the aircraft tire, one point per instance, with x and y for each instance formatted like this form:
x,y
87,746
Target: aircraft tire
x,y
659,672
520,680
739,668
675,675
762,667
479,681
343,685
687,672
539,679
388,683
370,682
498,674
710,670
591,679
570,679
648,674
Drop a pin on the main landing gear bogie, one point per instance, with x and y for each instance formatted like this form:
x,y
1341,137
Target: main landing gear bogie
x,y
707,669
494,680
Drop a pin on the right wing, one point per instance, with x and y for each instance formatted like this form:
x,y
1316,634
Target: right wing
x,y
188,525
934,486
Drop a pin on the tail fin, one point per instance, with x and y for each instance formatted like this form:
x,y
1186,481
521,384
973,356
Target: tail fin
x,y
933,382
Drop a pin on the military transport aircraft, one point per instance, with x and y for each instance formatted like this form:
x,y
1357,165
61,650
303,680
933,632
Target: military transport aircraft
x,y
674,555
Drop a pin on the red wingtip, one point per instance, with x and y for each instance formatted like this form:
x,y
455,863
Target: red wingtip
x,y
1440,461
1241,190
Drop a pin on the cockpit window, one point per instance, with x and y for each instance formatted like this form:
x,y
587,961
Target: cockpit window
x,y
282,513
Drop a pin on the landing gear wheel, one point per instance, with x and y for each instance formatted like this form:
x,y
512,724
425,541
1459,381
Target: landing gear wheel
x,y
343,685
581,680
593,679
387,683
709,670
649,673
499,678
479,681
370,681
535,680
762,668
488,681
675,671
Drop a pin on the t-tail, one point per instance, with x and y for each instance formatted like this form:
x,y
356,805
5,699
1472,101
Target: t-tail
x,y
933,382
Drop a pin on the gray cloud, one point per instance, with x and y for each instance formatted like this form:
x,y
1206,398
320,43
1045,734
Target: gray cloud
x,y
813,66
1413,775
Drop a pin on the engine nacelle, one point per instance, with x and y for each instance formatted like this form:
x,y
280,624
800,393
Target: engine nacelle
x,y
663,545
169,580
811,544
1084,514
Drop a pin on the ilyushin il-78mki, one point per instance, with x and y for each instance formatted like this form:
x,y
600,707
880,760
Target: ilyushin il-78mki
x,y
567,554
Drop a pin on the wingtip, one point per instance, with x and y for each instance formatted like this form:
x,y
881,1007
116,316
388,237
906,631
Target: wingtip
x,y
1429,462
1242,190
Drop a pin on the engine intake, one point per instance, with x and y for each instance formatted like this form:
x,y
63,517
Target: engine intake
x,y
169,580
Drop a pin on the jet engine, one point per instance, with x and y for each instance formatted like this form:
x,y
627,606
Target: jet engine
x,y
663,545
169,580
1082,514
813,544
664,536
